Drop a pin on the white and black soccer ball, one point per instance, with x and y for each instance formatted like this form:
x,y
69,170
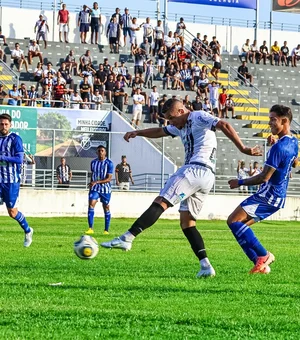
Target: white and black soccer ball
x,y
86,248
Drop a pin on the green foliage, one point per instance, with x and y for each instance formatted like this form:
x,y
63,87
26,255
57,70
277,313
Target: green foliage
x,y
150,292
54,120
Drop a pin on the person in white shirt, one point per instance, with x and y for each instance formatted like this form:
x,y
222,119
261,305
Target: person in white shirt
x,y
196,70
137,110
295,55
134,27
214,95
253,171
41,29
18,57
153,105
158,37
76,100
246,50
34,51
169,42
203,85
180,27
207,105
242,173
229,106
97,99
49,69
148,31
191,183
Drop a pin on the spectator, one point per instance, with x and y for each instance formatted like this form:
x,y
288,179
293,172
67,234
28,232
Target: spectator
x,y
242,173
244,75
106,67
85,60
38,74
253,171
2,36
118,15
217,64
169,42
113,33
205,47
63,18
275,54
246,50
123,174
264,52
27,160
109,87
183,57
187,103
295,55
222,102
202,85
85,104
176,38
180,27
126,24
33,95
3,94
71,63
214,96
49,70
134,27
161,62
101,77
214,45
148,31
86,89
59,90
66,99
196,104
158,37
186,77
63,174
178,83
75,100
84,23
23,93
95,22
2,54
46,96
18,57
149,74
207,105
137,110
146,48
138,62
168,78
229,106
254,52
14,96
197,46
34,51
195,74
97,99
153,105
41,29
66,75
284,54
161,117
124,72
119,95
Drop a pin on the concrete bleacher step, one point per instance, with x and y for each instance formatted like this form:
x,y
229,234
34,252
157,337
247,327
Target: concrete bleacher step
x,y
256,118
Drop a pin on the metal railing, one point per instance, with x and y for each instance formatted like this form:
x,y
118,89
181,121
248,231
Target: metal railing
x,y
246,90
9,77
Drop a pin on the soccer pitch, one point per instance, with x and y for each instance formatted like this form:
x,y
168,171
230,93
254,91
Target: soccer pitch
x,y
150,292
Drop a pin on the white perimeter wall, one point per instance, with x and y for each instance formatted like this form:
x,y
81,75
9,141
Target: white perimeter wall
x,y
19,23
47,203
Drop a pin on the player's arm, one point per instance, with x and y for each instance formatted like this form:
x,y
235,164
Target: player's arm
x,y
149,133
261,178
230,132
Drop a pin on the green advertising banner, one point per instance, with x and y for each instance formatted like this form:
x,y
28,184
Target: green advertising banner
x,y
23,120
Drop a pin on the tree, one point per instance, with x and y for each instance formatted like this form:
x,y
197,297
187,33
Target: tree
x,y
54,121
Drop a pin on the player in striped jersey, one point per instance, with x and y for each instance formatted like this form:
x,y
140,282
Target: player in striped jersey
x,y
11,159
271,195
102,169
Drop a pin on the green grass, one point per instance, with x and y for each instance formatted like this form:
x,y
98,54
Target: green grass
x,y
147,293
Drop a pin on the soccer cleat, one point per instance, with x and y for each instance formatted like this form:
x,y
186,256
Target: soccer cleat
x,y
117,243
105,232
262,263
90,231
266,270
28,238
206,272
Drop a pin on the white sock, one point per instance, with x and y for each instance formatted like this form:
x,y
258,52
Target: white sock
x,y
205,262
128,237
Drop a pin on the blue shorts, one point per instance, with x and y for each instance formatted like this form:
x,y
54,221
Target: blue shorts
x,y
258,208
95,25
126,30
9,193
104,198
84,27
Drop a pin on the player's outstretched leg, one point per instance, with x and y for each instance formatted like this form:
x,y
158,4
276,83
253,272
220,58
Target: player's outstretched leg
x,y
20,218
146,220
91,214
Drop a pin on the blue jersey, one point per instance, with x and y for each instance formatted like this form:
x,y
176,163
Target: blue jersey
x,y
281,157
100,170
10,146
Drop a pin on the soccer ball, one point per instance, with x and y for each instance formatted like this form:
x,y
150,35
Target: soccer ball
x,y
86,248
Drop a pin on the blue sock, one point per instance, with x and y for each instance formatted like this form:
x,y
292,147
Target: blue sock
x,y
247,238
91,214
107,217
22,221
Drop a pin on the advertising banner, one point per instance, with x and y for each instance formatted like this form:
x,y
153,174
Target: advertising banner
x,y
23,119
286,5
250,4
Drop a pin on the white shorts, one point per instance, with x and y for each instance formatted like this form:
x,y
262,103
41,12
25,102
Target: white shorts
x,y
161,62
189,186
137,114
124,186
64,28
133,40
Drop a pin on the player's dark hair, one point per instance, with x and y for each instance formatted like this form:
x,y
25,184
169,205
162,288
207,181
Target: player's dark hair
x,y
101,147
282,111
5,116
169,105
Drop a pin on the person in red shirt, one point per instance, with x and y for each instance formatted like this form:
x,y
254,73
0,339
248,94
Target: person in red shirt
x,y
63,22
222,101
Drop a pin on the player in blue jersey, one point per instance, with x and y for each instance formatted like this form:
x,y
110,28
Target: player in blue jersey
x,y
11,159
102,169
270,197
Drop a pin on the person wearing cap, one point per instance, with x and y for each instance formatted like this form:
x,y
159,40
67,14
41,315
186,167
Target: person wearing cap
x,y
14,96
19,58
3,94
84,23
126,23
41,29
123,174
180,27
34,51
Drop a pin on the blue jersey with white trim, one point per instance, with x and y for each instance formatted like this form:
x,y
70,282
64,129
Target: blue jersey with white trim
x,y
281,157
10,146
100,170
